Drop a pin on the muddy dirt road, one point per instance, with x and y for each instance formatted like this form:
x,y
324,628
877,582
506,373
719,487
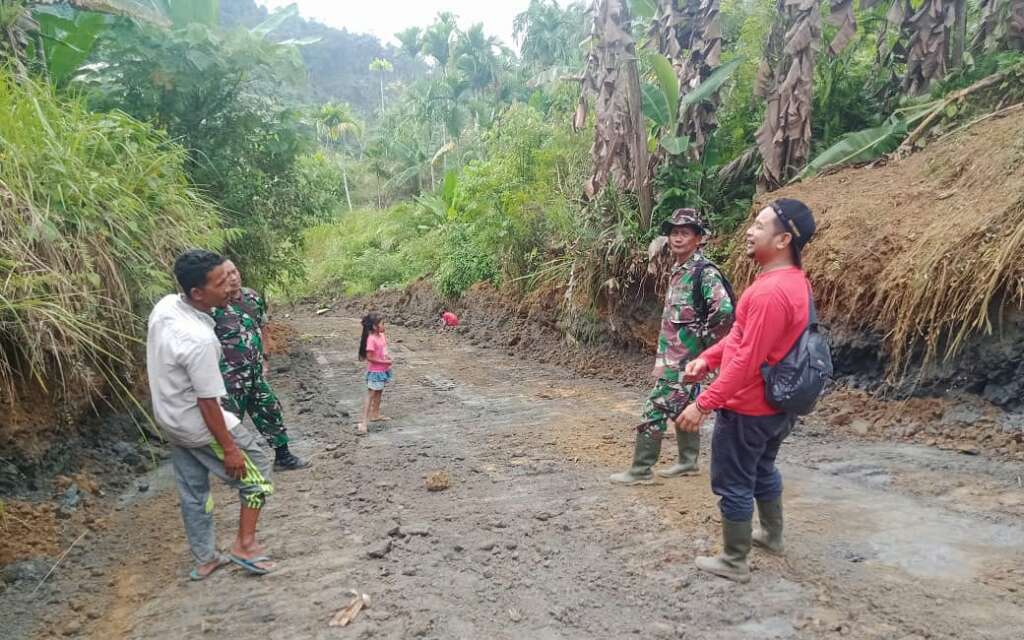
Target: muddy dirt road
x,y
530,541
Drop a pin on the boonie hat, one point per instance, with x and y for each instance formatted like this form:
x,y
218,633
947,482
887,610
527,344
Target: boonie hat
x,y
683,218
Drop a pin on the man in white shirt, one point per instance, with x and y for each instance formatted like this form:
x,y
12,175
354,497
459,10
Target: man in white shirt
x,y
183,362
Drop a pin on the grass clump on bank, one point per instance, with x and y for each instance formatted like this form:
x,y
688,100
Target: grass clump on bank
x,y
93,208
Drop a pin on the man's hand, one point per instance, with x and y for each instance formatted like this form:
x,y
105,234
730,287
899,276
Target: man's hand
x,y
234,463
690,418
658,371
696,370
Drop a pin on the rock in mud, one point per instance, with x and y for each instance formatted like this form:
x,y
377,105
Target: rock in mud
x,y
128,453
28,570
438,481
416,530
380,549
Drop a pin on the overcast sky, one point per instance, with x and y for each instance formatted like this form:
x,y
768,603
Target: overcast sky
x,y
384,18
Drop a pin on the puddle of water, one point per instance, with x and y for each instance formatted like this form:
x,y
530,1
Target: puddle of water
x,y
902,532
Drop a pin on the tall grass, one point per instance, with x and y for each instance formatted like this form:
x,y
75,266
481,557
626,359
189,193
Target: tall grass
x,y
93,208
368,249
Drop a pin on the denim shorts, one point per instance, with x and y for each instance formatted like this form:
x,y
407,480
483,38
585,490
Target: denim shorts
x,y
377,380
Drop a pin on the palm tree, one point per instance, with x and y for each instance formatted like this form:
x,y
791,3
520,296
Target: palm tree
x,y
335,123
549,36
475,57
381,66
411,41
437,40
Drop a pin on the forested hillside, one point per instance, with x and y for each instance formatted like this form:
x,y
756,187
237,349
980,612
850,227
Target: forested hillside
x,y
338,63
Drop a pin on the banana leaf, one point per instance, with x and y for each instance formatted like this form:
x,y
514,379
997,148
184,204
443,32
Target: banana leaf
x,y
275,20
667,80
705,90
643,8
858,146
676,145
67,43
656,107
185,12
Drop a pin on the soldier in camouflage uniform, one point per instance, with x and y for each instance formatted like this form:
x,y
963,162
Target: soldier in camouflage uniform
x,y
240,331
685,332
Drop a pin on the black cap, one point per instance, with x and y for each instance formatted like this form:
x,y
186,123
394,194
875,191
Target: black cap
x,y
797,220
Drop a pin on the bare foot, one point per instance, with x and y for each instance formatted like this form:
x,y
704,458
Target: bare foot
x,y
380,419
361,429
204,570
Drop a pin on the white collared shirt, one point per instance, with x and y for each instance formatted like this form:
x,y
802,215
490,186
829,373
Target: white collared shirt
x,y
183,363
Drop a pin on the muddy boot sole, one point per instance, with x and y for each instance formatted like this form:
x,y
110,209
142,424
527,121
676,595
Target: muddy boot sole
x,y
631,481
672,472
760,540
716,566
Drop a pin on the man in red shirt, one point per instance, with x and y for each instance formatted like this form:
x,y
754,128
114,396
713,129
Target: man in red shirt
x,y
770,317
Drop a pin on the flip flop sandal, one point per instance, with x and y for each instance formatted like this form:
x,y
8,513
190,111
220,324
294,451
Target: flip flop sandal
x,y
195,576
249,564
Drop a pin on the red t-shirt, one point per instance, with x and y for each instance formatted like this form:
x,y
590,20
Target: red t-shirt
x,y
450,319
770,316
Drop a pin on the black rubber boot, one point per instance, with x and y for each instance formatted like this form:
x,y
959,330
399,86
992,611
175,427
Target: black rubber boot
x,y
285,460
732,562
688,443
645,455
769,535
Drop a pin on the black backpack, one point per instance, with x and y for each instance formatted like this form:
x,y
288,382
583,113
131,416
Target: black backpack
x,y
796,382
700,305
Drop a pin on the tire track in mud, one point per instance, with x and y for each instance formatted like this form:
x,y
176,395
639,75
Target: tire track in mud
x,y
530,541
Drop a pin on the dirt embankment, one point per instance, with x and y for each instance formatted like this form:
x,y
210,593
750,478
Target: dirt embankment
x,y
919,261
962,422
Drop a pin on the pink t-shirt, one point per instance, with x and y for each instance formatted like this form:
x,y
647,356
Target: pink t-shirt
x,y
377,344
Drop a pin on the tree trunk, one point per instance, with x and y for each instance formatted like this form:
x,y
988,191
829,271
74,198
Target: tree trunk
x,y
620,137
956,58
344,179
382,94
634,101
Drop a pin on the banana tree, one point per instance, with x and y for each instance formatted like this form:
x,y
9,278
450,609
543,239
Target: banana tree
x,y
688,36
37,32
785,80
612,80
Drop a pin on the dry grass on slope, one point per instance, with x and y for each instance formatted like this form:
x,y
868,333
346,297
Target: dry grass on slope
x,y
928,251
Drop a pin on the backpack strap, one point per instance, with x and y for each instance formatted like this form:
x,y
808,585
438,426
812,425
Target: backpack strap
x,y
699,303
812,312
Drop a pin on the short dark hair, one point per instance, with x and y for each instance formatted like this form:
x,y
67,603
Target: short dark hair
x,y
192,267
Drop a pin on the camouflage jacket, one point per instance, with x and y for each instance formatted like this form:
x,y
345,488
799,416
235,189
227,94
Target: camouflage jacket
x,y
239,329
683,334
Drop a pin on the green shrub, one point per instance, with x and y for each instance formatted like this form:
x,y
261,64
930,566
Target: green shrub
x,y
93,209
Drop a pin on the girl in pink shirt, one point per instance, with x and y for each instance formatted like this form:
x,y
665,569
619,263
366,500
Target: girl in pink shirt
x,y
373,348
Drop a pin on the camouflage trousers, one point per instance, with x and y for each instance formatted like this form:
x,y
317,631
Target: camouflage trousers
x,y
251,394
669,390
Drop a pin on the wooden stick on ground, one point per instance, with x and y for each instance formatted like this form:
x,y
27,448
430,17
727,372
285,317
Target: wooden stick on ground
x,y
908,145
56,564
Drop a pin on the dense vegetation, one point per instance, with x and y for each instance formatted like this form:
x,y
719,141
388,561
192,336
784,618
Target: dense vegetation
x,y
325,162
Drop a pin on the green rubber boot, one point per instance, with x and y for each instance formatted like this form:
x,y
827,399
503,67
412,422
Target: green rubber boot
x,y
769,535
645,455
688,444
732,562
